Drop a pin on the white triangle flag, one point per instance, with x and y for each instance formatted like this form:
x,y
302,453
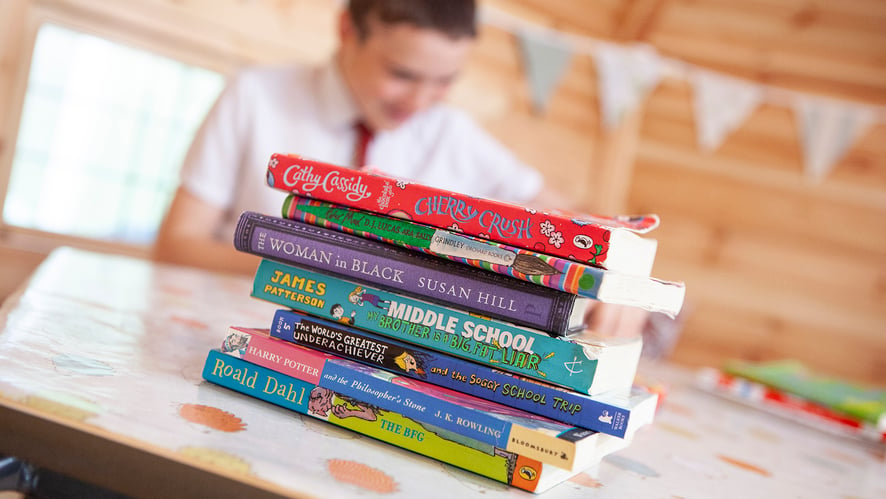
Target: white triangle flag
x,y
721,105
545,62
626,74
827,130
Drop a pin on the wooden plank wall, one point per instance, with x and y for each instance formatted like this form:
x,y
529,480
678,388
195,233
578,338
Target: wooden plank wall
x,y
778,266
775,266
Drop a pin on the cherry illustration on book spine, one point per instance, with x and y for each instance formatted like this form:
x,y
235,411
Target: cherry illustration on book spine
x,y
592,239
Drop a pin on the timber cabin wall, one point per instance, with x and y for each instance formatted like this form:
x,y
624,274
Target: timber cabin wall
x,y
776,266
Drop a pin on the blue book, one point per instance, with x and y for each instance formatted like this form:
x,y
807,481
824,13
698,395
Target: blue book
x,y
489,423
617,412
549,441
453,448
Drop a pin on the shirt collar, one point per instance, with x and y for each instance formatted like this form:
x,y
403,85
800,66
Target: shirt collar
x,y
337,106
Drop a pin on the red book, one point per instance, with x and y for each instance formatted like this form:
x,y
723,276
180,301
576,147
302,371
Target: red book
x,y
608,242
786,404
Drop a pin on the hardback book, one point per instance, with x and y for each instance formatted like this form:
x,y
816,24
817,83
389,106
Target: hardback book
x,y
388,426
609,242
787,405
616,412
608,286
494,424
579,362
791,376
399,269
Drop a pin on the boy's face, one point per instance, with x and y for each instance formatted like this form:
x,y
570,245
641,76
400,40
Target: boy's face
x,y
398,69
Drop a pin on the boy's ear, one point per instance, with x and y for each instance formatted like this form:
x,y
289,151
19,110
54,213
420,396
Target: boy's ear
x,y
346,28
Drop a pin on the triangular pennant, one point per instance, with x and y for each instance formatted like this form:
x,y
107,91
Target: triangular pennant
x,y
721,105
626,75
545,62
827,130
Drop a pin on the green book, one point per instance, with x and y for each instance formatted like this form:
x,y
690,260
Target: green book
x,y
864,403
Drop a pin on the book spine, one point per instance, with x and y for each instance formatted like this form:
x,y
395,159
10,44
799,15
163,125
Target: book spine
x,y
248,379
256,347
476,418
459,414
549,271
451,372
537,268
585,239
414,405
377,263
450,331
842,396
257,381
787,405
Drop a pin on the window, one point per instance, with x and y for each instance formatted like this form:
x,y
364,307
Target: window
x,y
103,131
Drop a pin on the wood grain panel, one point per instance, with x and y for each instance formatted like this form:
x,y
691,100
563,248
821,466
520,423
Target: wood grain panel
x,y
589,18
564,158
799,46
17,265
716,332
760,207
845,279
751,291
13,54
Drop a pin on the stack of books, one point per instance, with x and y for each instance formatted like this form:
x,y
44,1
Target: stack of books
x,y
447,325
789,389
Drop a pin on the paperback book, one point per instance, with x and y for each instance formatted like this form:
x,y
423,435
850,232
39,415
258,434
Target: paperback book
x,y
578,362
533,436
608,286
608,242
787,405
376,263
615,412
388,426
864,403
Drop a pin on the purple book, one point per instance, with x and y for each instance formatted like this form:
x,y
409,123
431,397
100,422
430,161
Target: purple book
x,y
403,271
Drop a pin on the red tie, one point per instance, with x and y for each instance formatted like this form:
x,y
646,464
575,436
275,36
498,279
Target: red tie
x,y
364,135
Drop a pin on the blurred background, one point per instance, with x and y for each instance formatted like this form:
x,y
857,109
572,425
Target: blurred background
x,y
755,129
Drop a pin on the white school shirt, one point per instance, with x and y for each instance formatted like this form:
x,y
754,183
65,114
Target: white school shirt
x,y
308,111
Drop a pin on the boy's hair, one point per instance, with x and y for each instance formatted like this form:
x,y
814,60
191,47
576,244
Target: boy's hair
x,y
455,18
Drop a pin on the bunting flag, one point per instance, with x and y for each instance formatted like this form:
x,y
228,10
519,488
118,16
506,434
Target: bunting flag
x,y
827,130
626,74
721,105
545,62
